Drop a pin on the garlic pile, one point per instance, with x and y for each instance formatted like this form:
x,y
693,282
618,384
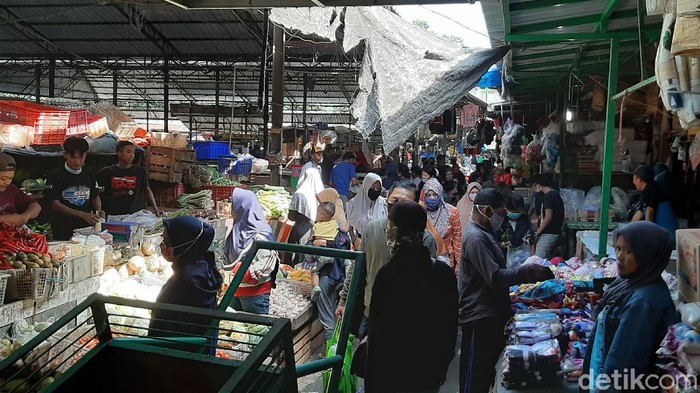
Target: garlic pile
x,y
286,302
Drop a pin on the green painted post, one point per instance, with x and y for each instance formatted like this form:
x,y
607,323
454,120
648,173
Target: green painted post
x,y
609,146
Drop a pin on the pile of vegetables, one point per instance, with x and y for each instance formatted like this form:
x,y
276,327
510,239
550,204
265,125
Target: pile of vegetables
x,y
22,249
41,229
275,201
199,176
200,200
217,179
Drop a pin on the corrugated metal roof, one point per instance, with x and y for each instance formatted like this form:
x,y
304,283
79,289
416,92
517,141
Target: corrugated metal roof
x,y
547,65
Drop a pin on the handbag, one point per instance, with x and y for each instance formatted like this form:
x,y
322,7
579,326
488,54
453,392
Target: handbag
x,y
359,360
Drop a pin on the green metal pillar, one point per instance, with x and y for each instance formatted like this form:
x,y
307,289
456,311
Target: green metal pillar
x,y
609,146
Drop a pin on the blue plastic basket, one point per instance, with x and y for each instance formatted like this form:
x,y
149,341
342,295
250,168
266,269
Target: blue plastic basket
x,y
211,150
231,165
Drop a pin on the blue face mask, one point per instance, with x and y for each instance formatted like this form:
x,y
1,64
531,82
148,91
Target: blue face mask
x,y
433,203
514,216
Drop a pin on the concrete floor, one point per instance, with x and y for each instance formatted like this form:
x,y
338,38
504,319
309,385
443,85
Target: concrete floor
x,y
314,383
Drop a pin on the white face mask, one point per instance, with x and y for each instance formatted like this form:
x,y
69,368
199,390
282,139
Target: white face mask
x,y
472,197
73,171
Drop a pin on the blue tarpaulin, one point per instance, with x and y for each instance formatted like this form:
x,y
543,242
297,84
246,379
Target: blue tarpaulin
x,y
491,79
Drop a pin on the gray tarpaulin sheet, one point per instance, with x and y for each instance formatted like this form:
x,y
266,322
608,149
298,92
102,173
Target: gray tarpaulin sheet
x,y
408,75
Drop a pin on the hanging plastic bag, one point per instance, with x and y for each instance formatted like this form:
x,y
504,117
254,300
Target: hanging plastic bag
x,y
516,256
348,382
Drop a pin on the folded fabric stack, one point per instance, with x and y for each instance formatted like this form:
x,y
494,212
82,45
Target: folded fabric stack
x,y
551,294
529,329
679,356
532,365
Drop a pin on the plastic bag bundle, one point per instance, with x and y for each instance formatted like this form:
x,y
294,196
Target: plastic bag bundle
x,y
621,200
593,199
534,152
573,201
551,150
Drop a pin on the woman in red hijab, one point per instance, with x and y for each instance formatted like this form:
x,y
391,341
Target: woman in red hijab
x,y
361,163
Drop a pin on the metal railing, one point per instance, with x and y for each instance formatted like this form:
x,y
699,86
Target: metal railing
x,y
335,363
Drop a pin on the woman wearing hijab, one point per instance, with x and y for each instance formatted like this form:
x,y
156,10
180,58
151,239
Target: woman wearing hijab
x,y
361,163
368,204
465,206
636,310
302,208
411,295
330,195
195,280
445,219
249,225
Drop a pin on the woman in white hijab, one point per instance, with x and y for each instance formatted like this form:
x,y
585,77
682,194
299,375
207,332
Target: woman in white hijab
x,y
302,209
368,204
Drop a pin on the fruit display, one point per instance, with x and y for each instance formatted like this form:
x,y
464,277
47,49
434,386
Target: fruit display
x,y
24,261
300,275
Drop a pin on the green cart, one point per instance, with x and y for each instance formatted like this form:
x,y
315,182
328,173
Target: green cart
x,y
113,349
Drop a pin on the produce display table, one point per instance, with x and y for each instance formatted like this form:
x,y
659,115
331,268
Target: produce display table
x,y
55,306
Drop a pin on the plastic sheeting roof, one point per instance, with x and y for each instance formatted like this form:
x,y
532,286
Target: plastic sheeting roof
x,y
408,75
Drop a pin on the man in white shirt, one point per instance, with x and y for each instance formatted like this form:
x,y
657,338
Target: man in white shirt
x,y
316,160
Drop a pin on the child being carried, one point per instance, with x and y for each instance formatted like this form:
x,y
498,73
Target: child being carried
x,y
324,234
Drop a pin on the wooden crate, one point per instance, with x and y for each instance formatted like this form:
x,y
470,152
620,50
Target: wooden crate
x,y
166,164
307,340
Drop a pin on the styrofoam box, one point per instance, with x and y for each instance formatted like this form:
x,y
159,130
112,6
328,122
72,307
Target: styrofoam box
x,y
688,246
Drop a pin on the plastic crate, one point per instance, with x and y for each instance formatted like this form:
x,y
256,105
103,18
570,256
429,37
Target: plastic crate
x,y
233,166
166,194
221,193
3,286
29,284
211,150
49,124
122,232
77,123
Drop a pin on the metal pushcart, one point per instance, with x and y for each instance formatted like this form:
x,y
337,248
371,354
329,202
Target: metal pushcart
x,y
213,351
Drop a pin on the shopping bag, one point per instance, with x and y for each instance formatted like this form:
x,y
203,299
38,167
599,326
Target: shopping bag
x,y
348,382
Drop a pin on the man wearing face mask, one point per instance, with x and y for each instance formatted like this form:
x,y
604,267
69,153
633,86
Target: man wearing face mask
x,y
375,245
484,301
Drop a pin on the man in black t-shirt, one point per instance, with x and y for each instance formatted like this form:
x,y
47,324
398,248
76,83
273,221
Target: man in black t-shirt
x,y
73,192
126,188
551,217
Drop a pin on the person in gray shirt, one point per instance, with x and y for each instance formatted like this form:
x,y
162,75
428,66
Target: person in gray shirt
x,y
377,252
484,301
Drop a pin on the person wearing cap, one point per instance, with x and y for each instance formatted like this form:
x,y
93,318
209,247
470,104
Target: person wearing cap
x,y
484,299
412,295
315,163
16,207
73,192
195,281
653,205
551,217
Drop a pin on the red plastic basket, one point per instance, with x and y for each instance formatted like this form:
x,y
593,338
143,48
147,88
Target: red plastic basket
x,y
221,193
49,124
166,194
77,123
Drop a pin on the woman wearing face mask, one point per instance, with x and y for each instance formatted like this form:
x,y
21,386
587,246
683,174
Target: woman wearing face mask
x,y
465,206
428,173
445,218
195,280
636,306
368,204
410,281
